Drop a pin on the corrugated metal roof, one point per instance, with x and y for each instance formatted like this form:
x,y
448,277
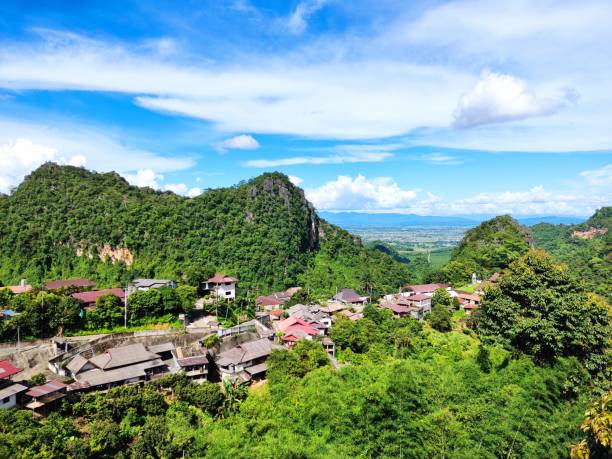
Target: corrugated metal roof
x,y
122,356
12,390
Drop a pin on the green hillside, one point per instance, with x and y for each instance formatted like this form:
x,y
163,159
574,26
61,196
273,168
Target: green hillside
x,y
488,248
590,259
64,221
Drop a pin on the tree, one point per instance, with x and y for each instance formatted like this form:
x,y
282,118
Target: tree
x,y
109,312
442,297
597,428
187,296
440,318
539,309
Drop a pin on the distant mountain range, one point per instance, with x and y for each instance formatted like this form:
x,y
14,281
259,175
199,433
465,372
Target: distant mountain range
x,y
363,220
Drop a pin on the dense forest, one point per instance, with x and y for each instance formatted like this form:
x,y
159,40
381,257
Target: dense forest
x,y
589,258
64,221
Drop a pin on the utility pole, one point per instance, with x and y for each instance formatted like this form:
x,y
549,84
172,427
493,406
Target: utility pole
x,y
125,305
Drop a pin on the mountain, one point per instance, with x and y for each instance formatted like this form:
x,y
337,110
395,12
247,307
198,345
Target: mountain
x,y
586,248
65,221
488,248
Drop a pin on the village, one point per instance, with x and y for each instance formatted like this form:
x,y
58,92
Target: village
x,y
203,350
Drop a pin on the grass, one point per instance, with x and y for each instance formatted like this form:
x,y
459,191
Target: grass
x,y
178,325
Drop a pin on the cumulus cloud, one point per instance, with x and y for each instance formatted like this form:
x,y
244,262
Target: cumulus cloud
x,y
298,19
597,177
359,193
239,142
330,159
182,189
498,98
144,178
295,180
20,157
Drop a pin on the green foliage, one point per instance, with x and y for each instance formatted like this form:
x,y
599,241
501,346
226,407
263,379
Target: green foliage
x,y
597,428
187,296
37,379
264,231
210,341
488,248
109,312
539,309
440,318
590,259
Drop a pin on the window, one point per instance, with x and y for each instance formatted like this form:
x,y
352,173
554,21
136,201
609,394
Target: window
x,y
6,400
228,293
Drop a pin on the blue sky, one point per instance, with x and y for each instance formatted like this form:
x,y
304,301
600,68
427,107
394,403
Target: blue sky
x,y
431,107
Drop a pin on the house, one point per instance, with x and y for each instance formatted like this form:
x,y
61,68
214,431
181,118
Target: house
x,y
129,364
222,286
468,298
469,308
295,329
45,397
398,310
147,284
275,300
349,296
246,361
314,314
23,287
89,298
7,369
351,315
8,395
193,361
83,284
329,346
426,289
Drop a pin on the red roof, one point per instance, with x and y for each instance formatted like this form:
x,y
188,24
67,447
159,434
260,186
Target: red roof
x,y
398,309
90,297
277,312
468,296
290,324
221,279
17,289
7,369
69,283
470,306
426,288
269,301
417,297
46,389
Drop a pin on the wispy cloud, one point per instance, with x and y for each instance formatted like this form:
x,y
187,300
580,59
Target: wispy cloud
x,y
331,159
440,159
298,19
597,177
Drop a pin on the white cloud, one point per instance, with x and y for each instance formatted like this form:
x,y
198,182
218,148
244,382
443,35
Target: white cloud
x,y
498,98
193,192
295,180
144,178
182,189
239,142
440,159
597,177
346,193
331,159
22,156
298,19
83,145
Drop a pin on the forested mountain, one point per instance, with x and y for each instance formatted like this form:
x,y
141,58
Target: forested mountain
x,y
586,248
65,221
488,248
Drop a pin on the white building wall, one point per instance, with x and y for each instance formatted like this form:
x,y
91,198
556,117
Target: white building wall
x,y
8,402
226,291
